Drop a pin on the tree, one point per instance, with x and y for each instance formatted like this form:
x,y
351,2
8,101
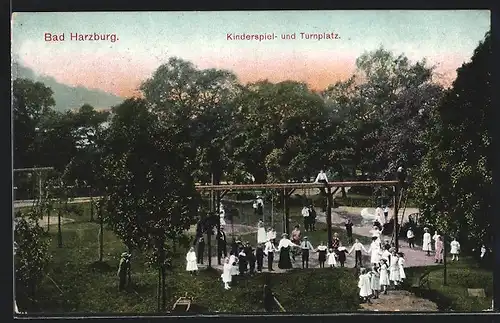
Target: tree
x,y
149,190
281,131
31,255
202,102
453,187
379,111
30,101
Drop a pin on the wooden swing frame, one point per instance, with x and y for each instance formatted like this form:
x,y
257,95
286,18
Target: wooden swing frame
x,y
289,188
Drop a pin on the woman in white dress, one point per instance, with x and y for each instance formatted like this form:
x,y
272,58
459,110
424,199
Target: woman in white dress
x,y
455,249
435,238
384,276
222,215
426,242
365,290
191,263
226,274
233,261
261,232
394,270
374,251
402,274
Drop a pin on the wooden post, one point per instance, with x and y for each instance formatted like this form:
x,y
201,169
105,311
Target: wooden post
x,y
329,215
218,226
272,210
444,260
287,212
284,207
209,230
396,211
40,186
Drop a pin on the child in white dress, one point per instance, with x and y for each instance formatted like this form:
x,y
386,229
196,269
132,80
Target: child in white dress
x,y
426,242
226,274
394,270
365,290
384,276
261,232
375,281
191,263
331,258
401,261
455,249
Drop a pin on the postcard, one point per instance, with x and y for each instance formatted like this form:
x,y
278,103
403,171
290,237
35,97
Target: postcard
x,y
252,162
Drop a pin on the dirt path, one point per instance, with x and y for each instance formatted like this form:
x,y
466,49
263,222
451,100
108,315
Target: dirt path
x,y
399,300
413,257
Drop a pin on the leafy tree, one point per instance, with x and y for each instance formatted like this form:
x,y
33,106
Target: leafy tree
x,y
31,255
30,101
149,190
280,126
453,187
379,110
201,102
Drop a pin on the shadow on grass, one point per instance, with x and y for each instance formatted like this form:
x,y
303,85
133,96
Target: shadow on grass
x,y
101,267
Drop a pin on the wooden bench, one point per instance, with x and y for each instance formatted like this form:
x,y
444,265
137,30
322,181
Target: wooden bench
x,y
182,301
422,281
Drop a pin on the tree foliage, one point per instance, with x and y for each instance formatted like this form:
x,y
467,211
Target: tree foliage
x,y
454,183
31,255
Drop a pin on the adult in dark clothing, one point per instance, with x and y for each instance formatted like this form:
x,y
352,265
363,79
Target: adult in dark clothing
x,y
251,260
234,247
201,250
268,298
124,270
242,262
312,216
259,254
199,231
348,229
221,243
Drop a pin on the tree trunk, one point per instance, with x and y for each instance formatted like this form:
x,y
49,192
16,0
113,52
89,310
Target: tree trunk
x,y
101,234
159,288
91,206
163,286
59,232
48,218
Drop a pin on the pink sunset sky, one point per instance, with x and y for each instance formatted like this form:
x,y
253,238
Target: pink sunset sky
x,y
147,39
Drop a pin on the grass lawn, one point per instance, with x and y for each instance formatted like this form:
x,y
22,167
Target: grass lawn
x,y
460,276
77,283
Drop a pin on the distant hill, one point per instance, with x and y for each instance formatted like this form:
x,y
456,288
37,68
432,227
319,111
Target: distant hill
x,y
68,97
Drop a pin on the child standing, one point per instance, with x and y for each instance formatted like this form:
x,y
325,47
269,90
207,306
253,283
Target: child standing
x,y
402,274
321,254
455,249
191,265
375,281
364,286
384,276
332,261
438,256
226,274
341,252
394,270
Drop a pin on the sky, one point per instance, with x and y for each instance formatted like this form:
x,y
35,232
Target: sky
x,y
147,39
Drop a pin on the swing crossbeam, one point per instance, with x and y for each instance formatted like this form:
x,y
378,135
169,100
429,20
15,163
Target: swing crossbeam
x,y
232,187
